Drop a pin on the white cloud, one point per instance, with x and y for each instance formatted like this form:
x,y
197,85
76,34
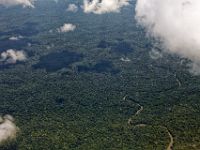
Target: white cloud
x,y
103,6
67,27
174,23
72,8
12,56
24,3
8,129
16,38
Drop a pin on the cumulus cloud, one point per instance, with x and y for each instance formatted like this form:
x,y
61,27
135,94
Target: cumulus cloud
x,y
8,129
24,3
67,27
103,6
72,8
12,56
173,23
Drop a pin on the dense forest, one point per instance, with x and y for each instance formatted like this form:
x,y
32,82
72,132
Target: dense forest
x,y
98,87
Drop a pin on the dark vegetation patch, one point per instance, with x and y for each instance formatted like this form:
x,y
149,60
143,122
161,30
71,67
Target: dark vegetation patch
x,y
103,44
60,102
120,39
6,44
101,67
122,47
9,146
28,29
56,61
4,65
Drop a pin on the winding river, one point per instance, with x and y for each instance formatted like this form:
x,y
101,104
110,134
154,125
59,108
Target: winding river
x,y
170,145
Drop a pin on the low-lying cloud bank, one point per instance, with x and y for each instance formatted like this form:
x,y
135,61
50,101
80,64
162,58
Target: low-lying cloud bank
x,y
16,38
103,6
174,23
12,56
8,129
24,3
67,27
